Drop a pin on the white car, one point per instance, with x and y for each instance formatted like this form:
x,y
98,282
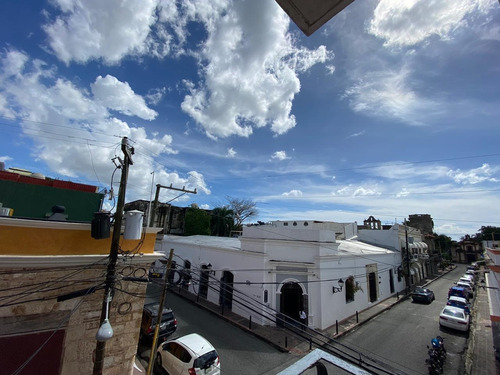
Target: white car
x,y
465,279
188,355
469,277
455,318
459,302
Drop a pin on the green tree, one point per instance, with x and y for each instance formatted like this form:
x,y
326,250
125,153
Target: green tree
x,y
197,221
443,244
222,221
488,233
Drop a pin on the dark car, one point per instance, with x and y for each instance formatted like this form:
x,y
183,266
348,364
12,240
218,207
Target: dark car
x,y
422,295
149,317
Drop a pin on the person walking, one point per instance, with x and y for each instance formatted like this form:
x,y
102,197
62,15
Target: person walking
x,y
303,319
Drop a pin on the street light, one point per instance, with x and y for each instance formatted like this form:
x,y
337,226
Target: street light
x,y
336,289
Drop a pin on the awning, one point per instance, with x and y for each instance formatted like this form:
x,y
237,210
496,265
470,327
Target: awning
x,y
418,245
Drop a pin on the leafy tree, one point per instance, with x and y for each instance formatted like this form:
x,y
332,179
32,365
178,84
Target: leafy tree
x,y
489,233
243,209
443,245
197,221
222,221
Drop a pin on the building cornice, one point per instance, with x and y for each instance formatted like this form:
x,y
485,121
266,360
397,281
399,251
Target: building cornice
x,y
20,261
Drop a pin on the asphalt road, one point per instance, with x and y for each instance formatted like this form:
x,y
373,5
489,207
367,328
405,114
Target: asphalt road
x,y
399,336
239,352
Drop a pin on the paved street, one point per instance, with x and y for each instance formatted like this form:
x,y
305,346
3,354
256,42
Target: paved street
x,y
405,330
400,335
240,352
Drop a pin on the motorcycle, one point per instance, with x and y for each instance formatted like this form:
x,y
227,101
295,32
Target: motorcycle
x,y
434,362
438,345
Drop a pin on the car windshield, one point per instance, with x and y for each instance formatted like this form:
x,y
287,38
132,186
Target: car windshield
x,y
454,313
420,290
206,360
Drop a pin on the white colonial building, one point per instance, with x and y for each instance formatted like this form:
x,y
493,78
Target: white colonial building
x,y
399,237
274,271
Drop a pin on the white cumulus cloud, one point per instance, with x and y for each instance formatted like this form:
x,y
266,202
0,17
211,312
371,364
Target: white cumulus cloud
x,y
119,96
408,22
474,176
280,155
94,29
292,193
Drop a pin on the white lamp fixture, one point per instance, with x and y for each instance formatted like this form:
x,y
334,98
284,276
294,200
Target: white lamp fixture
x,y
105,331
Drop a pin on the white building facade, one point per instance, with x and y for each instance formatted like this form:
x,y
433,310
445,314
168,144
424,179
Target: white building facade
x,y
398,237
274,271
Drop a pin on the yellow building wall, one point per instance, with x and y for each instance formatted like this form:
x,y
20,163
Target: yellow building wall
x,y
23,240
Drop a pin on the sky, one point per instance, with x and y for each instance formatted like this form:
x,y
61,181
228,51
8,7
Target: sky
x,y
390,109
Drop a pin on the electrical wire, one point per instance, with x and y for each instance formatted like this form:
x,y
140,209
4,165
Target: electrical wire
x,y
258,308
30,358
50,283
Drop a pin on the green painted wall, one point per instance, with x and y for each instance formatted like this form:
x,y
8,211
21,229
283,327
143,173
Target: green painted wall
x,y
36,201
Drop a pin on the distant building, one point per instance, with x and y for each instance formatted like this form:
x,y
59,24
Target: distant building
x,y
398,237
274,271
170,218
467,250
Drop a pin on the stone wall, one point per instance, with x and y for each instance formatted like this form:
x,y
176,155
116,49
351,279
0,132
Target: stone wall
x,y
28,304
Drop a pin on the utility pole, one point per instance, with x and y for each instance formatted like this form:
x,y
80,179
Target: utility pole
x,y
407,260
157,196
113,254
152,356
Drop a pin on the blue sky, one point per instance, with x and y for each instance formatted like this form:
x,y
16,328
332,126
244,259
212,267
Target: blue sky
x,y
390,109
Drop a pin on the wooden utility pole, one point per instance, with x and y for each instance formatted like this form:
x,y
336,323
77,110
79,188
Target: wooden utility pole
x,y
113,254
157,197
152,356
408,278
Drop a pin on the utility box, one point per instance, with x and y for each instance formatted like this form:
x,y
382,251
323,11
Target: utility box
x,y
133,225
101,224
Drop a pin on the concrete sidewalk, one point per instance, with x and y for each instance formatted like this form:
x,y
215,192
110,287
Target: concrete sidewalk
x,y
480,358
480,352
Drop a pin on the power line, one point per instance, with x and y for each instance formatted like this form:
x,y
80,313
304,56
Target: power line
x,y
30,358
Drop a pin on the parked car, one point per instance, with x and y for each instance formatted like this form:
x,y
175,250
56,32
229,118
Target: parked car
x,y
459,302
468,287
455,318
468,280
168,323
472,270
188,355
458,291
422,295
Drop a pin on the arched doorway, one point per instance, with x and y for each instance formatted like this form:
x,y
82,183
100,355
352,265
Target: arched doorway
x,y
226,290
292,301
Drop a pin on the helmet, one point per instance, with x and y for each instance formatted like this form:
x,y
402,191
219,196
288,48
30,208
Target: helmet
x,y
435,343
